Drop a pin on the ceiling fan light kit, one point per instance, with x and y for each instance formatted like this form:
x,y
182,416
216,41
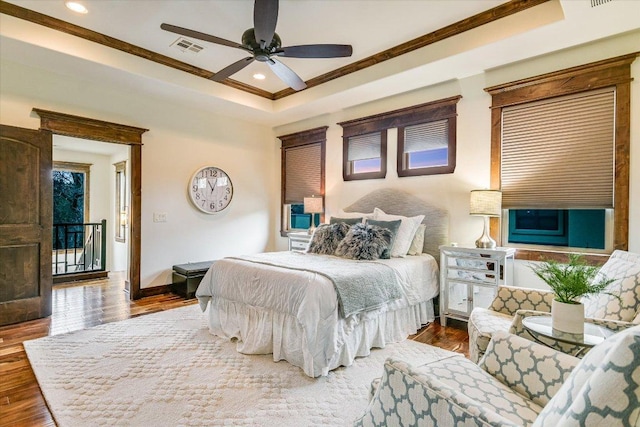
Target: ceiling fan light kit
x,y
265,45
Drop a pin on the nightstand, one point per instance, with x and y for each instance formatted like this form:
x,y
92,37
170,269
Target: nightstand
x,y
298,241
469,277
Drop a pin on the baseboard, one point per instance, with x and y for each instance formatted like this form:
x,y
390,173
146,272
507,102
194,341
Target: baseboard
x,y
156,290
92,275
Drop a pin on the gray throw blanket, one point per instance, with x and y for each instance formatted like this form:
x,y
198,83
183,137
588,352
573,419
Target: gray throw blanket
x,y
360,285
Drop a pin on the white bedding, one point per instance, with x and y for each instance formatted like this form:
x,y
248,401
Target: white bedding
x,y
294,314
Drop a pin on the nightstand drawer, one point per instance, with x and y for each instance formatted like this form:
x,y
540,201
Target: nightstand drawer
x,y
299,241
297,245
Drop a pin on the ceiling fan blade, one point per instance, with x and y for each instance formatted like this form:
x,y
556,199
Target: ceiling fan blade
x,y
317,51
265,17
286,74
201,36
232,69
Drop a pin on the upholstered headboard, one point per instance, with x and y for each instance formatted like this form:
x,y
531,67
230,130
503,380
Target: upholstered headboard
x,y
398,202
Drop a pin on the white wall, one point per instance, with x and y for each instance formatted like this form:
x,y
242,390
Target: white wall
x,y
180,140
451,191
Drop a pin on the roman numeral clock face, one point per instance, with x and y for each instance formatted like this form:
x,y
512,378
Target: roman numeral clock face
x,y
210,189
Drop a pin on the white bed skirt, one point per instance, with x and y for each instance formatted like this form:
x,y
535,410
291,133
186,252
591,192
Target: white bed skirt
x,y
337,342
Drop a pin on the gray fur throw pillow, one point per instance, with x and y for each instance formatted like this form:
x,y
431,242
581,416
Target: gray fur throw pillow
x,y
364,242
326,238
349,221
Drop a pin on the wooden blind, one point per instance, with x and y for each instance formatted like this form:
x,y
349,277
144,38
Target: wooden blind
x,y
303,172
559,153
363,147
426,136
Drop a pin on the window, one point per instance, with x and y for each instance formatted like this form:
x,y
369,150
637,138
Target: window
x,y
303,158
366,156
70,203
71,192
426,141
429,147
560,155
121,211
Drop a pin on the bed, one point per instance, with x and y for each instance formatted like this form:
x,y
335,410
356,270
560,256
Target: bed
x,y
278,303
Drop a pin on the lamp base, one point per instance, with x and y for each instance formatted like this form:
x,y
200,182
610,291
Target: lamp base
x,y
485,241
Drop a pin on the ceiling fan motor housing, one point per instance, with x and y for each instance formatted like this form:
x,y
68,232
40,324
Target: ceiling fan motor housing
x,y
262,55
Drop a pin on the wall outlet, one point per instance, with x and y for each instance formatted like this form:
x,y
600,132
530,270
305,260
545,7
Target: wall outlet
x,y
159,217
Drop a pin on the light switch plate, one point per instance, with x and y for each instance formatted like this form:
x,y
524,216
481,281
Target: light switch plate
x,y
159,217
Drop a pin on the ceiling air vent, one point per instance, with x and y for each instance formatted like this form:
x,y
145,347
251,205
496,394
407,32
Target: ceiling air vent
x,y
595,3
185,45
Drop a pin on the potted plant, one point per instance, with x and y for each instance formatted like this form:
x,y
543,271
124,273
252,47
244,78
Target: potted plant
x,y
570,282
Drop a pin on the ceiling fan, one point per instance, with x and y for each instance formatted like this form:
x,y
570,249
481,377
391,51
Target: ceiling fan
x,y
264,45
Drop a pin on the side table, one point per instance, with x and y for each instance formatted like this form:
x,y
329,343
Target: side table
x,y
469,277
541,330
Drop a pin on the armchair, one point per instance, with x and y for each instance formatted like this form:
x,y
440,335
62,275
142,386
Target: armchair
x,y
512,304
517,383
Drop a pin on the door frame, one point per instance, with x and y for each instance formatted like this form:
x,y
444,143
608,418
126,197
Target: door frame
x,y
98,130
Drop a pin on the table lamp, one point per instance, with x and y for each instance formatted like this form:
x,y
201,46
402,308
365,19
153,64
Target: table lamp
x,y
313,205
486,203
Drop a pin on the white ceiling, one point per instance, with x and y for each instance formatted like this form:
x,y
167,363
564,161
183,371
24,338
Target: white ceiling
x,y
369,26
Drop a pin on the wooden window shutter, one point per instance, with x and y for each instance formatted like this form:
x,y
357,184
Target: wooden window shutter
x,y
559,152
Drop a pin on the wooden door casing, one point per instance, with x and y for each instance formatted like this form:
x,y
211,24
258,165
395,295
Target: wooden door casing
x,y
25,224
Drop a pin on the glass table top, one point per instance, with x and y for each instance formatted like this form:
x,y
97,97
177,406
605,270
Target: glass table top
x,y
541,325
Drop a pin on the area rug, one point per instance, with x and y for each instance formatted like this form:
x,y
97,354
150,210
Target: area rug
x,y
166,369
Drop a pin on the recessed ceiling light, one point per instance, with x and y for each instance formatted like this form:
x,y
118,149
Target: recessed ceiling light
x,y
76,7
259,76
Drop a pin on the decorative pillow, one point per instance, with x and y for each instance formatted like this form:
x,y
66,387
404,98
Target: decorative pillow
x,y
392,226
348,221
326,238
418,241
364,242
405,234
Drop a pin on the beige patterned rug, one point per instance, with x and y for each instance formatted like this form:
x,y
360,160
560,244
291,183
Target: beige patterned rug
x,y
165,369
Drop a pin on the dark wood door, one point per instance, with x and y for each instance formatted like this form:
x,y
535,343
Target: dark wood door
x,y
25,224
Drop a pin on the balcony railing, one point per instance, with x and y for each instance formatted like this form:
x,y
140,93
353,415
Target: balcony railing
x,y
79,248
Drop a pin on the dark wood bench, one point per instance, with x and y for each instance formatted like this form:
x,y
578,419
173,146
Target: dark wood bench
x,y
187,277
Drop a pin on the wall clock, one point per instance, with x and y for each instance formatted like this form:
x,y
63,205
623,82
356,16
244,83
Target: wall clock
x,y
210,189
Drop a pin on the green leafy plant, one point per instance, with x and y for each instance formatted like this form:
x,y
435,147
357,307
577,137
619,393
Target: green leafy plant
x,y
571,281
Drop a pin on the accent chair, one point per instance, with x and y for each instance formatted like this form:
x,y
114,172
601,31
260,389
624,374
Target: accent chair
x,y
517,383
512,304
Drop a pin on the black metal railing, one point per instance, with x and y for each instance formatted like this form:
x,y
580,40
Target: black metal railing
x,y
79,248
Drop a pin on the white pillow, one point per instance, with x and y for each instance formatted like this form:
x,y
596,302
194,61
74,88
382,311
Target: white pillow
x,y
418,241
364,216
405,234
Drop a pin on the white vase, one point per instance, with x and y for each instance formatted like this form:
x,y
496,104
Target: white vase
x,y
567,317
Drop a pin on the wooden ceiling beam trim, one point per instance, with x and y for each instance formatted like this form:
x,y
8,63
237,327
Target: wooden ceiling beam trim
x,y
459,27
510,8
96,37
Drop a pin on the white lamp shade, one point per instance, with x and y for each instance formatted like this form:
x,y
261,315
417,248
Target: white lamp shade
x,y
486,202
313,205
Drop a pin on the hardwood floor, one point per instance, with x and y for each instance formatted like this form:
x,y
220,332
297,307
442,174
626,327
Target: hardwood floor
x,y
84,305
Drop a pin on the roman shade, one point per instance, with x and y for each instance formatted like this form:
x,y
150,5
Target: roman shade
x,y
559,152
426,136
362,147
303,172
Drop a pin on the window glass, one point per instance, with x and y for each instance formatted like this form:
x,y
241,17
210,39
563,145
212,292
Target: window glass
x,y
575,228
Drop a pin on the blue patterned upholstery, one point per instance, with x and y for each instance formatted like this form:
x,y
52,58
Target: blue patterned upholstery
x,y
517,383
512,304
